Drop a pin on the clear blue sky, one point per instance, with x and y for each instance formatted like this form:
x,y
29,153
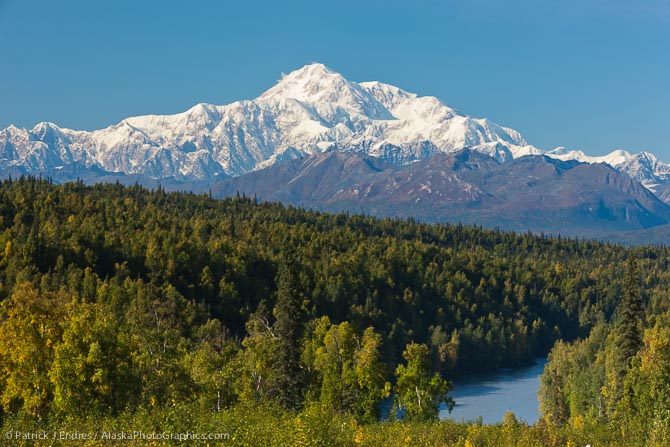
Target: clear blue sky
x,y
589,74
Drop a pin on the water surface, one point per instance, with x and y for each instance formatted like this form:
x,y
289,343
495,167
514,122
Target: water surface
x,y
490,396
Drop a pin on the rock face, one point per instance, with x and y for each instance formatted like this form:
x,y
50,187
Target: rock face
x,y
537,193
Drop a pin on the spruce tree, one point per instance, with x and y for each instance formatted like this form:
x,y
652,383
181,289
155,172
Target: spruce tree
x,y
288,328
630,312
625,340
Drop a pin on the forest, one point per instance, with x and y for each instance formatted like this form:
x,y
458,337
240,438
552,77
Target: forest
x,y
124,309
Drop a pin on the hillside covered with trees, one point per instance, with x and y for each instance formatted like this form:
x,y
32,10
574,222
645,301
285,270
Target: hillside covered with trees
x,y
126,306
620,374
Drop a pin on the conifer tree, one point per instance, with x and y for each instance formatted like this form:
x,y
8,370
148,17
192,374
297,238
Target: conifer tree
x,y
630,313
625,340
289,328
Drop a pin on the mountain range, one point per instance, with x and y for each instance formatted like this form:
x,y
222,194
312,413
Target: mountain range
x,y
532,193
319,140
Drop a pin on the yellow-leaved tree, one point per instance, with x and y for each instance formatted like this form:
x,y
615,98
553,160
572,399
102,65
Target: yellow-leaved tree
x,y
30,328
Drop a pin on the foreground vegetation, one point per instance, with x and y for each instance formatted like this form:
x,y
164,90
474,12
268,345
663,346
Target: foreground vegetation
x,y
125,309
274,427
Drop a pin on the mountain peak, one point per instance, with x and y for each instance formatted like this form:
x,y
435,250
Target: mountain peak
x,y
304,84
43,127
319,86
313,69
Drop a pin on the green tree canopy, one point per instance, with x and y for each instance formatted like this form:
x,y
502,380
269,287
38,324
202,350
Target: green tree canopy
x,y
419,391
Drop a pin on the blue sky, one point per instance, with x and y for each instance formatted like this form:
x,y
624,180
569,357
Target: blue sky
x,y
586,74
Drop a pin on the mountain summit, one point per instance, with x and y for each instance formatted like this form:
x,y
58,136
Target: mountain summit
x,y
318,85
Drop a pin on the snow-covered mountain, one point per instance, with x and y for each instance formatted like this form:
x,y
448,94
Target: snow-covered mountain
x,y
312,109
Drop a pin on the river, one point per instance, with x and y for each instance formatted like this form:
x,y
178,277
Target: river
x,y
490,396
